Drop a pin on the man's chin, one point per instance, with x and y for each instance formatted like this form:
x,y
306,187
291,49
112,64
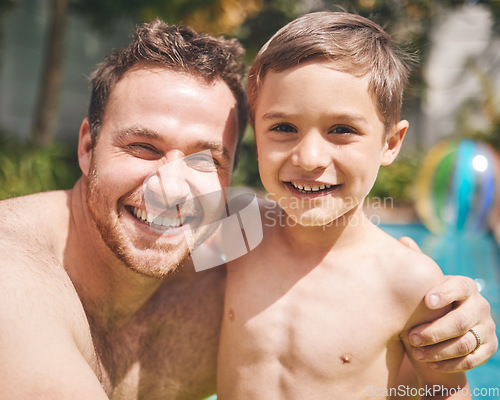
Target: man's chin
x,y
156,267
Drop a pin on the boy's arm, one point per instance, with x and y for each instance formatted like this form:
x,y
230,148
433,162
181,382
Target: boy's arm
x,y
447,341
437,384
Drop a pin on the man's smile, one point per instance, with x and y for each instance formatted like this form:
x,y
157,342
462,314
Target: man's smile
x,y
160,222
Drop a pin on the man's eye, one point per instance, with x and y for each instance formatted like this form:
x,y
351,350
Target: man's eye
x,y
283,128
143,149
202,162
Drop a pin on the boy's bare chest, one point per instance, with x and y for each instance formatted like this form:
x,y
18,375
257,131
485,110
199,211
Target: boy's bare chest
x,y
331,327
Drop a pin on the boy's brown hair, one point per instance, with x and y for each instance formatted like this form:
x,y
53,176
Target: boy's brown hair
x,y
354,43
177,48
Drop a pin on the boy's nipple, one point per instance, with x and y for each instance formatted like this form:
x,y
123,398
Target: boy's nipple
x,y
346,358
230,314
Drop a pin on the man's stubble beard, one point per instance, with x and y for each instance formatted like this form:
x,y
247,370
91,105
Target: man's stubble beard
x,y
108,225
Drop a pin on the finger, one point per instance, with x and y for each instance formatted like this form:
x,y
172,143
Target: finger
x,y
452,325
452,289
460,364
409,242
454,348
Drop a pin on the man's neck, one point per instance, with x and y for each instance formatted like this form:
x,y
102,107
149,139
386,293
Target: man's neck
x,y
111,292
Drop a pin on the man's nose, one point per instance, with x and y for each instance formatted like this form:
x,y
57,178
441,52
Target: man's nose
x,y
169,184
312,152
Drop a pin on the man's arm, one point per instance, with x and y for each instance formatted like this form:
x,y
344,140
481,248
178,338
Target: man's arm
x,y
41,347
447,343
433,384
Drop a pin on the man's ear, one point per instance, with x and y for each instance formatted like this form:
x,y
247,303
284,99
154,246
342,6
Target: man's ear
x,y
393,142
85,147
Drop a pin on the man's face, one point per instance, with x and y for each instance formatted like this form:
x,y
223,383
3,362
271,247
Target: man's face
x,y
164,152
320,141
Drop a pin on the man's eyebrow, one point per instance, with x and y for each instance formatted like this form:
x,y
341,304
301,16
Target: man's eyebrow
x,y
139,132
216,147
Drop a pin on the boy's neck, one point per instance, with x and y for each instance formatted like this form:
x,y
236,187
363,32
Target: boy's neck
x,y
339,233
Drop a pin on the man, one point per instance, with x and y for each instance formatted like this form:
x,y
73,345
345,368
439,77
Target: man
x,y
93,302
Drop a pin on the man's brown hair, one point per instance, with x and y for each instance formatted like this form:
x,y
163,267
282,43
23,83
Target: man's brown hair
x,y
177,48
353,43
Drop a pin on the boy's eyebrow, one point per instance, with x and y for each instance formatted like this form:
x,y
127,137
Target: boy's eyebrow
x,y
347,116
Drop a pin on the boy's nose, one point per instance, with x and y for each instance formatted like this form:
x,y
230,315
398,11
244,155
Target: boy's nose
x,y
312,152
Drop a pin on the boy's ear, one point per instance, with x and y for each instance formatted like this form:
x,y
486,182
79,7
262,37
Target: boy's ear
x,y
255,141
393,142
85,147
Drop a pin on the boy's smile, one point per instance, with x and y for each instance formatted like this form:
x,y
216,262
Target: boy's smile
x,y
320,140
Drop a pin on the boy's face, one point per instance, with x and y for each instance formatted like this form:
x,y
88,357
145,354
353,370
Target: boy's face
x,y
320,141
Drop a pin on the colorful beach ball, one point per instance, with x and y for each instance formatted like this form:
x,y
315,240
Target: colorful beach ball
x,y
456,188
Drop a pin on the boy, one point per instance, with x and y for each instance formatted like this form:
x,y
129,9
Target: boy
x,y
325,98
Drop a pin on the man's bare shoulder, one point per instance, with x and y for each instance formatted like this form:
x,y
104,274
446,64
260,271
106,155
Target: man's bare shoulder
x,y
37,212
42,320
33,275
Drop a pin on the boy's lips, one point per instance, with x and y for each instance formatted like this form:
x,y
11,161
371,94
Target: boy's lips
x,y
312,188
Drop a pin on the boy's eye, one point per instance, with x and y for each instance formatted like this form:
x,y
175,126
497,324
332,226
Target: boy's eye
x,y
283,128
342,130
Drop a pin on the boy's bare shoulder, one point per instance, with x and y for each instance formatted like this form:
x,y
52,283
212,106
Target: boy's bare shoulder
x,y
411,272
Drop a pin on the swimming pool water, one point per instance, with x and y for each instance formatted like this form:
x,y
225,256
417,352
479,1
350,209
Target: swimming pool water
x,y
479,258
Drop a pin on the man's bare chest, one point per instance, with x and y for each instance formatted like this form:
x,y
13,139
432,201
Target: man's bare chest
x,y
167,351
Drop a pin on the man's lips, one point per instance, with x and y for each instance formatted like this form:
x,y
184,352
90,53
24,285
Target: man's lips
x,y
160,221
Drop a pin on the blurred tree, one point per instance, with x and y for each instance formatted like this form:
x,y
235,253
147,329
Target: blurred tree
x,y
5,6
211,16
47,105
487,106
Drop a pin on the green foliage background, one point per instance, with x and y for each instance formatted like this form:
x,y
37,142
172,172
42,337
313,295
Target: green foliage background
x,y
25,169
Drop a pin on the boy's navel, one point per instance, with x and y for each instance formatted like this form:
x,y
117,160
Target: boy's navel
x,y
346,358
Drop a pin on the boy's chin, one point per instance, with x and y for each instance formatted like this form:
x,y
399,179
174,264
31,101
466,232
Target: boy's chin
x,y
313,220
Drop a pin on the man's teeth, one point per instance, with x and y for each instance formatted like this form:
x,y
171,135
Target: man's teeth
x,y
312,188
150,218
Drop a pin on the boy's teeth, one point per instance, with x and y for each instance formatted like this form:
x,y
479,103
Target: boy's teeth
x,y
168,222
310,188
